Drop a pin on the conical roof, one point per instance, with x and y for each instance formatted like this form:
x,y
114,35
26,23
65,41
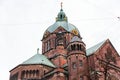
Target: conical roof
x,y
38,59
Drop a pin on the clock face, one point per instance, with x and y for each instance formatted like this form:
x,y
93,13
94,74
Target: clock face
x,y
75,32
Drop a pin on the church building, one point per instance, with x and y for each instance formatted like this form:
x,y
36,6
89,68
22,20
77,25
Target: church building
x,y
65,57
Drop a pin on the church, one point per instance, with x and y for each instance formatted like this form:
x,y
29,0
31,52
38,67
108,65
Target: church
x,y
65,57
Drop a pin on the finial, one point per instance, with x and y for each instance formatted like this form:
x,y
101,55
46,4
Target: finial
x,y
37,50
61,5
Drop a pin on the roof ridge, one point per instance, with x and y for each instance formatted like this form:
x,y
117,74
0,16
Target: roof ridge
x,y
94,48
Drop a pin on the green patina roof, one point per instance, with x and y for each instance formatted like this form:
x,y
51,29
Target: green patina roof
x,y
38,59
94,48
67,26
61,21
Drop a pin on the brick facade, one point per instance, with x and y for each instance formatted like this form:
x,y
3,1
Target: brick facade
x,y
63,46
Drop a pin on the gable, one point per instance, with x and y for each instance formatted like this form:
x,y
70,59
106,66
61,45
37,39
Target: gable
x,y
102,45
108,52
94,48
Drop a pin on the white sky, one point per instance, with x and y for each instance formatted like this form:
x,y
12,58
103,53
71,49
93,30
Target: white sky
x,y
23,22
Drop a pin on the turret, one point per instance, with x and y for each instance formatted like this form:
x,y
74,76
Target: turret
x,y
77,60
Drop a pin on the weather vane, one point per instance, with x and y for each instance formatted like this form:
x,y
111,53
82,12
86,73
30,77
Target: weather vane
x,y
61,5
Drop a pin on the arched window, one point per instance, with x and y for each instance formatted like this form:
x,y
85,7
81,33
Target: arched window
x,y
61,16
23,74
34,74
77,46
80,47
48,45
81,63
74,65
30,73
74,46
27,73
60,42
37,73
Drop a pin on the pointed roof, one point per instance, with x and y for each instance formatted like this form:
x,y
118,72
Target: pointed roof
x,y
94,48
38,59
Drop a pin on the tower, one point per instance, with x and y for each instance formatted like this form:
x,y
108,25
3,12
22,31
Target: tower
x,y
77,60
63,45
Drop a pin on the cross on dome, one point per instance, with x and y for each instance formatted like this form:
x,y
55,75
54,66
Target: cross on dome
x,y
61,5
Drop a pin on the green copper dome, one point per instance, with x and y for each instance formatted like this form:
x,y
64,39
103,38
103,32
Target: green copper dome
x,y
67,26
62,21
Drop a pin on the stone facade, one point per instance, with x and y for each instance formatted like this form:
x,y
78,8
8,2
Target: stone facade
x,y
64,57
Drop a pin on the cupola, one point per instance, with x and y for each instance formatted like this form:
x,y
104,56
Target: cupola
x,y
61,16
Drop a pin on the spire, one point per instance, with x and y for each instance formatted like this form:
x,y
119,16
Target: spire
x,y
37,50
61,15
61,5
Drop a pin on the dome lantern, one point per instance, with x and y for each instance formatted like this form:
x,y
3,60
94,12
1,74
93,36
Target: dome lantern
x,y
61,15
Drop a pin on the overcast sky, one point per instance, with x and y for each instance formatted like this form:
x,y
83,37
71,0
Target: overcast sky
x,y
23,22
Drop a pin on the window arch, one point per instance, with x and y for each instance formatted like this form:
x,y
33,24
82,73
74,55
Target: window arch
x,y
60,42
61,16
80,63
72,47
48,45
80,47
74,65
77,46
37,72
